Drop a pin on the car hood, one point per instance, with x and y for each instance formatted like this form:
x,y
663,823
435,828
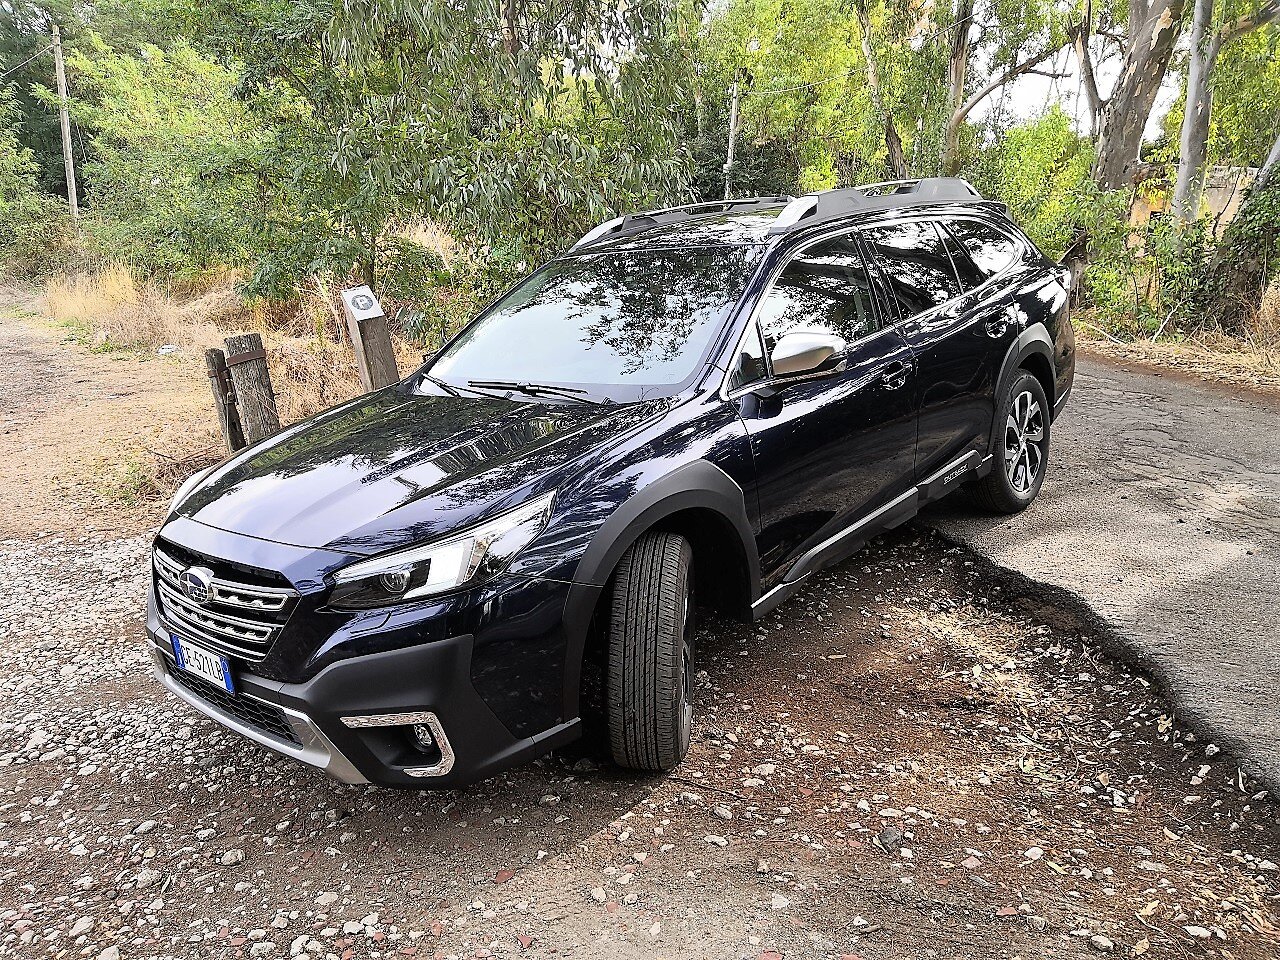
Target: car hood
x,y
394,468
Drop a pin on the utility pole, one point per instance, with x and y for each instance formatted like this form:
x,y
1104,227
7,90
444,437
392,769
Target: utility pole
x,y
733,136
67,161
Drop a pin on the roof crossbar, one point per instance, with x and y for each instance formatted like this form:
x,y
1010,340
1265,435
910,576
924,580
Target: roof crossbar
x,y
831,204
648,218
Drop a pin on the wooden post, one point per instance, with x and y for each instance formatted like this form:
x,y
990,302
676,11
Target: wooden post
x,y
224,399
251,380
371,337
68,161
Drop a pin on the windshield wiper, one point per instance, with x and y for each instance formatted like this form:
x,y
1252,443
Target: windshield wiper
x,y
536,390
446,387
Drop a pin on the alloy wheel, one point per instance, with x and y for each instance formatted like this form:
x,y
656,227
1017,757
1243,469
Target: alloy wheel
x,y
686,675
1024,442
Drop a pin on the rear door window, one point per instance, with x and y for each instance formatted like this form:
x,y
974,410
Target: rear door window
x,y
915,264
825,288
990,250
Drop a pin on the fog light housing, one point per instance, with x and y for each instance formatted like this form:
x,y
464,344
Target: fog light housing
x,y
425,740
424,732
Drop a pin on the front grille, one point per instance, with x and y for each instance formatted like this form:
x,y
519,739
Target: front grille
x,y
254,713
240,619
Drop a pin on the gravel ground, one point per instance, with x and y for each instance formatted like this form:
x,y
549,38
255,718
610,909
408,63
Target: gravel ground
x,y
910,760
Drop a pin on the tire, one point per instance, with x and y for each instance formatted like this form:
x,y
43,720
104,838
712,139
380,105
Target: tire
x,y
649,690
1021,448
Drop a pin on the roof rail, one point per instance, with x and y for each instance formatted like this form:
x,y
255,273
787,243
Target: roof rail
x,y
648,218
831,204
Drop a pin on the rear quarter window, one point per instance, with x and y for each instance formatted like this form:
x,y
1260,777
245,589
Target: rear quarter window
x,y
990,250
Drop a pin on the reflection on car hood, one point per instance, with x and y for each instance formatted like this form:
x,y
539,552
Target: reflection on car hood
x,y
391,469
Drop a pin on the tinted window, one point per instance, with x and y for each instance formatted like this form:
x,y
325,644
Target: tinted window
x,y
914,263
826,288
989,249
750,362
968,272
634,318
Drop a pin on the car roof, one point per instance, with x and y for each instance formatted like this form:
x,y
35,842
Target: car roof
x,y
762,219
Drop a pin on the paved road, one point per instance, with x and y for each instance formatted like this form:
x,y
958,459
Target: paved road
x,y
1162,513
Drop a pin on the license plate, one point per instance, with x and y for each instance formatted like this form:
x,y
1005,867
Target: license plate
x,y
202,663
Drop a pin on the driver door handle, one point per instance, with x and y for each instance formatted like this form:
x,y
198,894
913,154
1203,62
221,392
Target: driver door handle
x,y
895,374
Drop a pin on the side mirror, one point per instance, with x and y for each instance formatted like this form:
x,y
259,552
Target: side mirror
x,y
805,352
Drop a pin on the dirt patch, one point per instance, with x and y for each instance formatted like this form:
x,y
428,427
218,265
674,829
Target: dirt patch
x,y
1256,371
82,431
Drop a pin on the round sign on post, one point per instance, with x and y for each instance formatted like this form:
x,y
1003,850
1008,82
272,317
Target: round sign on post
x,y
371,337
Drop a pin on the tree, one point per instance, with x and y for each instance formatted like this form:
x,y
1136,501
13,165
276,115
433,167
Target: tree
x,y
1205,48
515,124
1152,30
1018,26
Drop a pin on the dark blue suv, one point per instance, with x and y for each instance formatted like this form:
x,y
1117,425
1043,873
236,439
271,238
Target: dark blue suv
x,y
693,407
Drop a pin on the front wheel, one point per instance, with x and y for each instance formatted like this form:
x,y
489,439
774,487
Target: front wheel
x,y
1021,448
650,672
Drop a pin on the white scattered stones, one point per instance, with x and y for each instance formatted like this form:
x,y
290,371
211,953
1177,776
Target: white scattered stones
x,y
81,927
234,855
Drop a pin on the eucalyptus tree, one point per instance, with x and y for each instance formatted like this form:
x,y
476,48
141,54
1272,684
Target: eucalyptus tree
x,y
1144,32
1210,31
991,47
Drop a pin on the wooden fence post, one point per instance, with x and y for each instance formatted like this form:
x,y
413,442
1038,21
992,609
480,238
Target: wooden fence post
x,y
247,361
371,337
224,399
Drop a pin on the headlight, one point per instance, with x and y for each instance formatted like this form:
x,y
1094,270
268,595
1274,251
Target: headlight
x,y
185,488
461,560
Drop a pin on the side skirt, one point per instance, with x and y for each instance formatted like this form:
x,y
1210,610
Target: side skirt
x,y
971,466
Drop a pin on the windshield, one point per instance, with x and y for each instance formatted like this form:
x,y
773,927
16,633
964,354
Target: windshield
x,y
639,320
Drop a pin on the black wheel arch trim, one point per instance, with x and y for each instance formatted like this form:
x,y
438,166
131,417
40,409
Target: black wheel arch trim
x,y
697,485
1033,340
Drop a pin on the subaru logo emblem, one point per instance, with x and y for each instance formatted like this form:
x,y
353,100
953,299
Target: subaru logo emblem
x,y
197,583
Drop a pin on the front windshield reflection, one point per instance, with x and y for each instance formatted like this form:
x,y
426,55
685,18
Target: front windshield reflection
x,y
632,319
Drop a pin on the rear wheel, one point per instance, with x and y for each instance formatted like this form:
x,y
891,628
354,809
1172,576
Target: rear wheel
x,y
1021,448
650,673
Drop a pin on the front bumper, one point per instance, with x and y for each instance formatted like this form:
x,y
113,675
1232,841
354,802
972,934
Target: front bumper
x,y
354,719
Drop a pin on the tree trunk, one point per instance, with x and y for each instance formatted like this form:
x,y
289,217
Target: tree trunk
x,y
510,33
957,71
896,159
1193,143
1153,32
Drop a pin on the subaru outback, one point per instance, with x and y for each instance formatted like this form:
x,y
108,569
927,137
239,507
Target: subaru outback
x,y
692,408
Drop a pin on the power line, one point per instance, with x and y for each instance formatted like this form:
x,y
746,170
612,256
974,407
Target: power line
x,y
25,62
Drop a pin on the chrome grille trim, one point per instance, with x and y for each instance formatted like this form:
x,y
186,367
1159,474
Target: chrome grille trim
x,y
228,592
233,627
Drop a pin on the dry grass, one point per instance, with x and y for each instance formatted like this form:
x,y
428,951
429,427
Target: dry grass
x,y
108,310
311,362
309,355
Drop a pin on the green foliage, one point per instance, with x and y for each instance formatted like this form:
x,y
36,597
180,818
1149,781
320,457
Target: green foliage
x,y
1041,171
35,232
383,111
163,189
